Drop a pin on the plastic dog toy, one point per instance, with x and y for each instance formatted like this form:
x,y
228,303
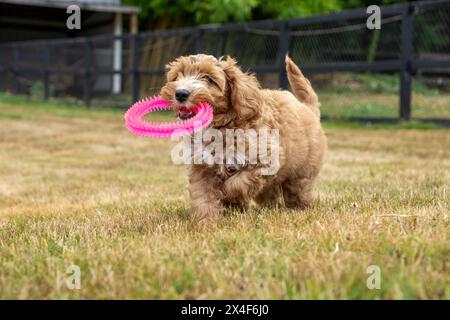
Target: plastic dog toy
x,y
203,115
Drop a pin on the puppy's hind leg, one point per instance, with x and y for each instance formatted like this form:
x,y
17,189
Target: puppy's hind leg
x,y
298,192
271,197
240,188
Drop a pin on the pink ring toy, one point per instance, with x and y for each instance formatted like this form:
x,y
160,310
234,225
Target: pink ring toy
x,y
134,122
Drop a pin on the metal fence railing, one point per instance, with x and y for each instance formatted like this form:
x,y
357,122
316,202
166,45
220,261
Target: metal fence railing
x,y
413,36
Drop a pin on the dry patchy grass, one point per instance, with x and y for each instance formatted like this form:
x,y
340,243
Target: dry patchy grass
x,y
77,188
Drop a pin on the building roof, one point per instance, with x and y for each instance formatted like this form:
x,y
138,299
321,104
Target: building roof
x,y
113,6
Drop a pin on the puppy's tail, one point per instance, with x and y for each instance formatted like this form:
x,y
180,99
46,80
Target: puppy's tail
x,y
301,87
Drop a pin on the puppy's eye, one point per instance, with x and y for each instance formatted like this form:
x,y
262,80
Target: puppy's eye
x,y
207,79
178,76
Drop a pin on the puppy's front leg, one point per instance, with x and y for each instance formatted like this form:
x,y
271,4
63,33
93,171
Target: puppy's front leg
x,y
242,187
205,194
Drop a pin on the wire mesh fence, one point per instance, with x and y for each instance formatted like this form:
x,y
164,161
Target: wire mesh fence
x,y
413,43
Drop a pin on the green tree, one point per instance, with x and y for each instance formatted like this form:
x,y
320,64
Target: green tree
x,y
284,9
162,14
168,13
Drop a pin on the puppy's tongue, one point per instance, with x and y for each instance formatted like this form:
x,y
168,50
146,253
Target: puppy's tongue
x,y
185,113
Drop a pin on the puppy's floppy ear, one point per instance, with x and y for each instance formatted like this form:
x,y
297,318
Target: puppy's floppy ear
x,y
244,96
171,70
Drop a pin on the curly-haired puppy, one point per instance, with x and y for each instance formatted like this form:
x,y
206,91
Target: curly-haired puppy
x,y
239,102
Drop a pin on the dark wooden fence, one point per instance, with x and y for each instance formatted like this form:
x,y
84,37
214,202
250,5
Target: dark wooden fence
x,y
406,46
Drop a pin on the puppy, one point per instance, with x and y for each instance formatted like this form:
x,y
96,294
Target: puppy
x,y
239,102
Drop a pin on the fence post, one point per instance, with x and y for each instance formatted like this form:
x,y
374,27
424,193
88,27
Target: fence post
x,y
406,56
199,40
87,72
15,69
283,48
46,71
135,51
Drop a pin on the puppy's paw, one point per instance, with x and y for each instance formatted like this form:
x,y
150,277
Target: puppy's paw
x,y
205,213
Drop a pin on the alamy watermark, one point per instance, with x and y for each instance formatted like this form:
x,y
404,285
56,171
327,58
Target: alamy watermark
x,y
233,148
374,20
73,281
374,280
74,20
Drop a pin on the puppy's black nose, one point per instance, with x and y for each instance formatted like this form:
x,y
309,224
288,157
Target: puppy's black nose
x,y
181,94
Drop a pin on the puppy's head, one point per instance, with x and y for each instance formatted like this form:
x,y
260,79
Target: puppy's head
x,y
232,93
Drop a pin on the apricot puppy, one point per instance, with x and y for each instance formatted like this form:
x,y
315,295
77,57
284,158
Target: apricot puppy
x,y
239,102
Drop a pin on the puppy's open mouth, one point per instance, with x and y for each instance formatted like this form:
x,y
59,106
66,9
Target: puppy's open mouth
x,y
185,113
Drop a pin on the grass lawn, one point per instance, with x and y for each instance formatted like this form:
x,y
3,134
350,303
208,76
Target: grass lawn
x,y
383,105
76,188
377,95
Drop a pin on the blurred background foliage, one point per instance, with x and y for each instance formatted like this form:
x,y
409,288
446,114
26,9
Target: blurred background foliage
x,y
163,14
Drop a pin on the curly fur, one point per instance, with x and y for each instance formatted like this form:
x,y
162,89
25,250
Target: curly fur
x,y
239,102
